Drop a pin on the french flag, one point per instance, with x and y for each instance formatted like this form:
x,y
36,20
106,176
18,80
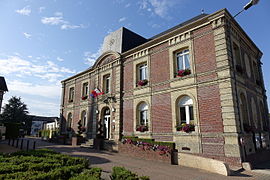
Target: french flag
x,y
96,93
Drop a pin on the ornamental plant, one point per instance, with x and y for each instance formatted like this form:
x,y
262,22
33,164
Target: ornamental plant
x,y
185,127
141,128
142,82
84,97
183,72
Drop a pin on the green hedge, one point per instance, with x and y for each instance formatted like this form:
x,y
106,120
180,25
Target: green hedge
x,y
120,173
151,141
40,164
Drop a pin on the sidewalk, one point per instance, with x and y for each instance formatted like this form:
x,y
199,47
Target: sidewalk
x,y
155,170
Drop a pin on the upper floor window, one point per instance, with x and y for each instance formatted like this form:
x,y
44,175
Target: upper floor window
x,y
84,91
237,57
106,83
142,70
182,59
182,63
71,94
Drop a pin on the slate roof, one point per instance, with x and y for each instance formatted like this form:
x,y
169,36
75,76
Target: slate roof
x,y
3,85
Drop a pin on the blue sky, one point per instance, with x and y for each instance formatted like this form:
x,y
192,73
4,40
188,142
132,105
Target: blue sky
x,y
44,42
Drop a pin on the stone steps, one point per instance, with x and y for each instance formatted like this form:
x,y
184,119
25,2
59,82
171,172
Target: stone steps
x,y
88,144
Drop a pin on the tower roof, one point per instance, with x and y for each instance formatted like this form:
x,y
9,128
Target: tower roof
x,y
3,85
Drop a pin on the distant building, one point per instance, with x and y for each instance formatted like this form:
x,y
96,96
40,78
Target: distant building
x,y
41,122
3,89
205,72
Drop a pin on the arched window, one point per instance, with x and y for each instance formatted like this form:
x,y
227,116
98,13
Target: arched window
x,y
244,112
143,114
69,120
254,114
185,108
83,118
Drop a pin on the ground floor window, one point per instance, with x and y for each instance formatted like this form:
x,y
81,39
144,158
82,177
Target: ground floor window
x,y
142,124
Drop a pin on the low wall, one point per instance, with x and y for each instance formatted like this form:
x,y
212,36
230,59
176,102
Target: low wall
x,y
207,164
143,153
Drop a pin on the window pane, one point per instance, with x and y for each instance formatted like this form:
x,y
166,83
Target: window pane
x,y
187,65
191,116
183,115
180,63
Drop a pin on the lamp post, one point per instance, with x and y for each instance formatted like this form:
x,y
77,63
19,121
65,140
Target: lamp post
x,y
247,6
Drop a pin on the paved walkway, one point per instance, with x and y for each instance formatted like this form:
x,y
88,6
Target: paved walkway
x,y
155,170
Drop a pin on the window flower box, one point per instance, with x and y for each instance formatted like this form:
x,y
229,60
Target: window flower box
x,y
141,128
84,97
183,72
185,127
142,82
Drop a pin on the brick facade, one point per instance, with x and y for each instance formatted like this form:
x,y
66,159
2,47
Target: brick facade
x,y
212,90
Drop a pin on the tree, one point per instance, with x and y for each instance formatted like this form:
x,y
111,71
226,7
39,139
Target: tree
x,y
15,111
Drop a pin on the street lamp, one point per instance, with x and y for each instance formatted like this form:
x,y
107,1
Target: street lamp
x,y
247,6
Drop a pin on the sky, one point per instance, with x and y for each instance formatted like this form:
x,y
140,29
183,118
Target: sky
x,y
45,41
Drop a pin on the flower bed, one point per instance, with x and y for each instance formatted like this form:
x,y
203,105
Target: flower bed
x,y
147,148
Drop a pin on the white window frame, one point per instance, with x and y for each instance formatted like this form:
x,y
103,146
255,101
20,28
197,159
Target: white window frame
x,y
143,111
143,71
69,120
71,93
186,102
181,58
84,118
85,89
107,84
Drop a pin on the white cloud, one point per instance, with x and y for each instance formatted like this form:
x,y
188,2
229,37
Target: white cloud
x,y
122,19
24,11
14,65
41,9
49,91
60,59
69,26
53,20
58,19
158,7
90,58
27,35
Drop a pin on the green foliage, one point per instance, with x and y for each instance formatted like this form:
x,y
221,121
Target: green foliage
x,y
45,133
120,173
40,164
15,111
171,145
92,174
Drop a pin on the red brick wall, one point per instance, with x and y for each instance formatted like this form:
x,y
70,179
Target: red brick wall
x,y
128,117
128,81
134,151
160,68
210,117
210,109
161,114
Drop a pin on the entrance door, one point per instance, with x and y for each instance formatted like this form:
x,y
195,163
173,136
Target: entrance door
x,y
106,122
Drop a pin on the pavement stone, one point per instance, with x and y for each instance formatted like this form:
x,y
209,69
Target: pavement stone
x,y
155,170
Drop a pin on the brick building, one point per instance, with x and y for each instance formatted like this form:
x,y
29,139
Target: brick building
x,y
202,76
